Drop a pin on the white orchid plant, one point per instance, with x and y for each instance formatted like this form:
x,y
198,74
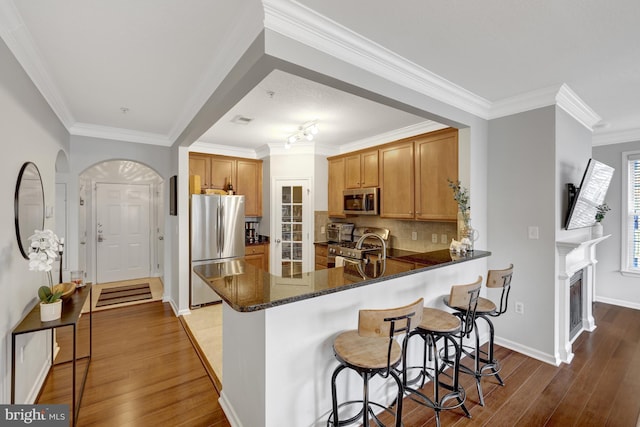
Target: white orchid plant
x,y
43,251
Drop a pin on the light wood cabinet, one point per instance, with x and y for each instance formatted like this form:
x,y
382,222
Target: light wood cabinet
x,y
414,176
436,162
223,172
336,186
257,255
361,170
201,165
217,172
249,183
321,257
397,181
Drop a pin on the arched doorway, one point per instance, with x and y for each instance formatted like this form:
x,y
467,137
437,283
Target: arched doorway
x,y
121,222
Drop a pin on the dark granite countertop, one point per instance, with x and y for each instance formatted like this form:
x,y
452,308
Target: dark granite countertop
x,y
247,288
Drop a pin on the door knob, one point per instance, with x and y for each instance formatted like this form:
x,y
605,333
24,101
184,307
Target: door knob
x,y
100,238
278,241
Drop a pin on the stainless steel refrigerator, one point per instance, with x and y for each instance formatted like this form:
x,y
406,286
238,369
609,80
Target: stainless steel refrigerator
x,y
217,234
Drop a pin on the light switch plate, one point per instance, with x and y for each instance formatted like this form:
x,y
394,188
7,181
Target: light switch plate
x,y
534,232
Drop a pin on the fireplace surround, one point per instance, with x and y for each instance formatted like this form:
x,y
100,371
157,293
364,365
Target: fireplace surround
x,y
574,255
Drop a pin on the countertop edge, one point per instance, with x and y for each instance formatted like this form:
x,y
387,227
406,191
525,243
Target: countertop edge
x,y
263,306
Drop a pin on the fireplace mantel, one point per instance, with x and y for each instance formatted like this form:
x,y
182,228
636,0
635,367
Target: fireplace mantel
x,y
574,255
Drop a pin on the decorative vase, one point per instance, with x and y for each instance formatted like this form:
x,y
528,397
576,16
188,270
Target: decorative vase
x,y
597,230
51,311
468,236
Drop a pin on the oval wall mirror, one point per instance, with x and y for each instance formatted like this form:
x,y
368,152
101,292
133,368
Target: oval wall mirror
x,y
28,205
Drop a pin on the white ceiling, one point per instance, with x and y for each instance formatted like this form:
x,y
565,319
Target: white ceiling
x,y
159,58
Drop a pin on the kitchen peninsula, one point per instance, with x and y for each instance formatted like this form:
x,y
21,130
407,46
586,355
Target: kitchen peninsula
x,y
278,331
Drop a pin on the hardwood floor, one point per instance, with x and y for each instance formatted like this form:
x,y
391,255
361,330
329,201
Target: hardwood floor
x,y
599,388
144,371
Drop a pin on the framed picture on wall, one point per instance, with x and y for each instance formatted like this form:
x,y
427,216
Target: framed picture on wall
x,y
173,199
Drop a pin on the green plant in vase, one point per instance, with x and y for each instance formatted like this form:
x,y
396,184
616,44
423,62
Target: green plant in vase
x,y
601,211
47,296
461,195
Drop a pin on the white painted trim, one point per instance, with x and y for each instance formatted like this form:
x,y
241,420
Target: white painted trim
x,y
119,134
224,150
307,26
560,95
17,37
227,408
528,351
570,102
616,137
620,303
39,382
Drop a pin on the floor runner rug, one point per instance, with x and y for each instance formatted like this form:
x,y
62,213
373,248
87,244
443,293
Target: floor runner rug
x,y
124,294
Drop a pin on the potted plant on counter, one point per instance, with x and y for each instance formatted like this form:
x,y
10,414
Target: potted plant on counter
x,y
43,251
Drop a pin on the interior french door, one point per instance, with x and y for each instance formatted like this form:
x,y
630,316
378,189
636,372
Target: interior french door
x,y
292,225
122,232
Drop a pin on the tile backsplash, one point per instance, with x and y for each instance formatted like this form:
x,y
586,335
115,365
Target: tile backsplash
x,y
401,232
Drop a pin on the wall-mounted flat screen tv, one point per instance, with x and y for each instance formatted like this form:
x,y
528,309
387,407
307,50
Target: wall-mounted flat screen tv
x,y
585,199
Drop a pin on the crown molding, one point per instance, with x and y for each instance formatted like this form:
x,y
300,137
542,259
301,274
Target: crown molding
x,y
19,41
570,102
560,95
616,137
394,135
298,22
223,150
118,134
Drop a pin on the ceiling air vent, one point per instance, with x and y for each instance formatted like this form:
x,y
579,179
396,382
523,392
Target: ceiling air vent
x,y
241,120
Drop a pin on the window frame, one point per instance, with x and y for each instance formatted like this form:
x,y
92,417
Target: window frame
x,y
626,268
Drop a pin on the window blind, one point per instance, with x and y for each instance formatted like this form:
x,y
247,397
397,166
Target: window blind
x,y
633,213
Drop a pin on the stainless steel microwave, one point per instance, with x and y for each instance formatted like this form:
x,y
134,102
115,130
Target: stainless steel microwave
x,y
361,201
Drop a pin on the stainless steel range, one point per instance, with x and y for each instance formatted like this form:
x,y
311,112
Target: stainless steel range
x,y
366,242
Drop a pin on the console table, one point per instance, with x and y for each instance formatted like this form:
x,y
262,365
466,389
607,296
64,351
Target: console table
x,y
71,313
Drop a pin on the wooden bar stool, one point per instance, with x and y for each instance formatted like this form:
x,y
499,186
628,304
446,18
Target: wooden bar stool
x,y
439,325
484,362
373,349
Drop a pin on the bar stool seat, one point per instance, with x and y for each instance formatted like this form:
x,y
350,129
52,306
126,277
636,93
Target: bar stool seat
x,y
366,352
373,349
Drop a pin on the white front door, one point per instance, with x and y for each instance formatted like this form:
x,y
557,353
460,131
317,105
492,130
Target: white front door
x,y
122,235
292,228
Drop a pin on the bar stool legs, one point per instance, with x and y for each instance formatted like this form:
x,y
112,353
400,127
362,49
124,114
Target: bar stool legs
x,y
373,350
455,395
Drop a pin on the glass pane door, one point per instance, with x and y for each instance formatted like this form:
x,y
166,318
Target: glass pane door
x,y
292,232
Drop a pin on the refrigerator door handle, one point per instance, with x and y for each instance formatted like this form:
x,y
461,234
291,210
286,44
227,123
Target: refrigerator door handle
x,y
221,229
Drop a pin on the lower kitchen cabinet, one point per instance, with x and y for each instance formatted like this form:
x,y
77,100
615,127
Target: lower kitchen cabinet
x,y
257,255
321,256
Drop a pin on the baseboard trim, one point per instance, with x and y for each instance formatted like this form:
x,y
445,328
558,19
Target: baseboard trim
x,y
527,351
620,303
232,417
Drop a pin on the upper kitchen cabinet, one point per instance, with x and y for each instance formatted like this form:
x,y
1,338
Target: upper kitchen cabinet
x,y
436,162
200,164
414,174
336,186
223,172
361,169
397,180
249,183
245,175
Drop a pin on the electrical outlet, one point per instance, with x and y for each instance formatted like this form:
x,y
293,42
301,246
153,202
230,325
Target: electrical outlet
x,y
443,239
519,308
414,235
322,230
434,238
534,232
